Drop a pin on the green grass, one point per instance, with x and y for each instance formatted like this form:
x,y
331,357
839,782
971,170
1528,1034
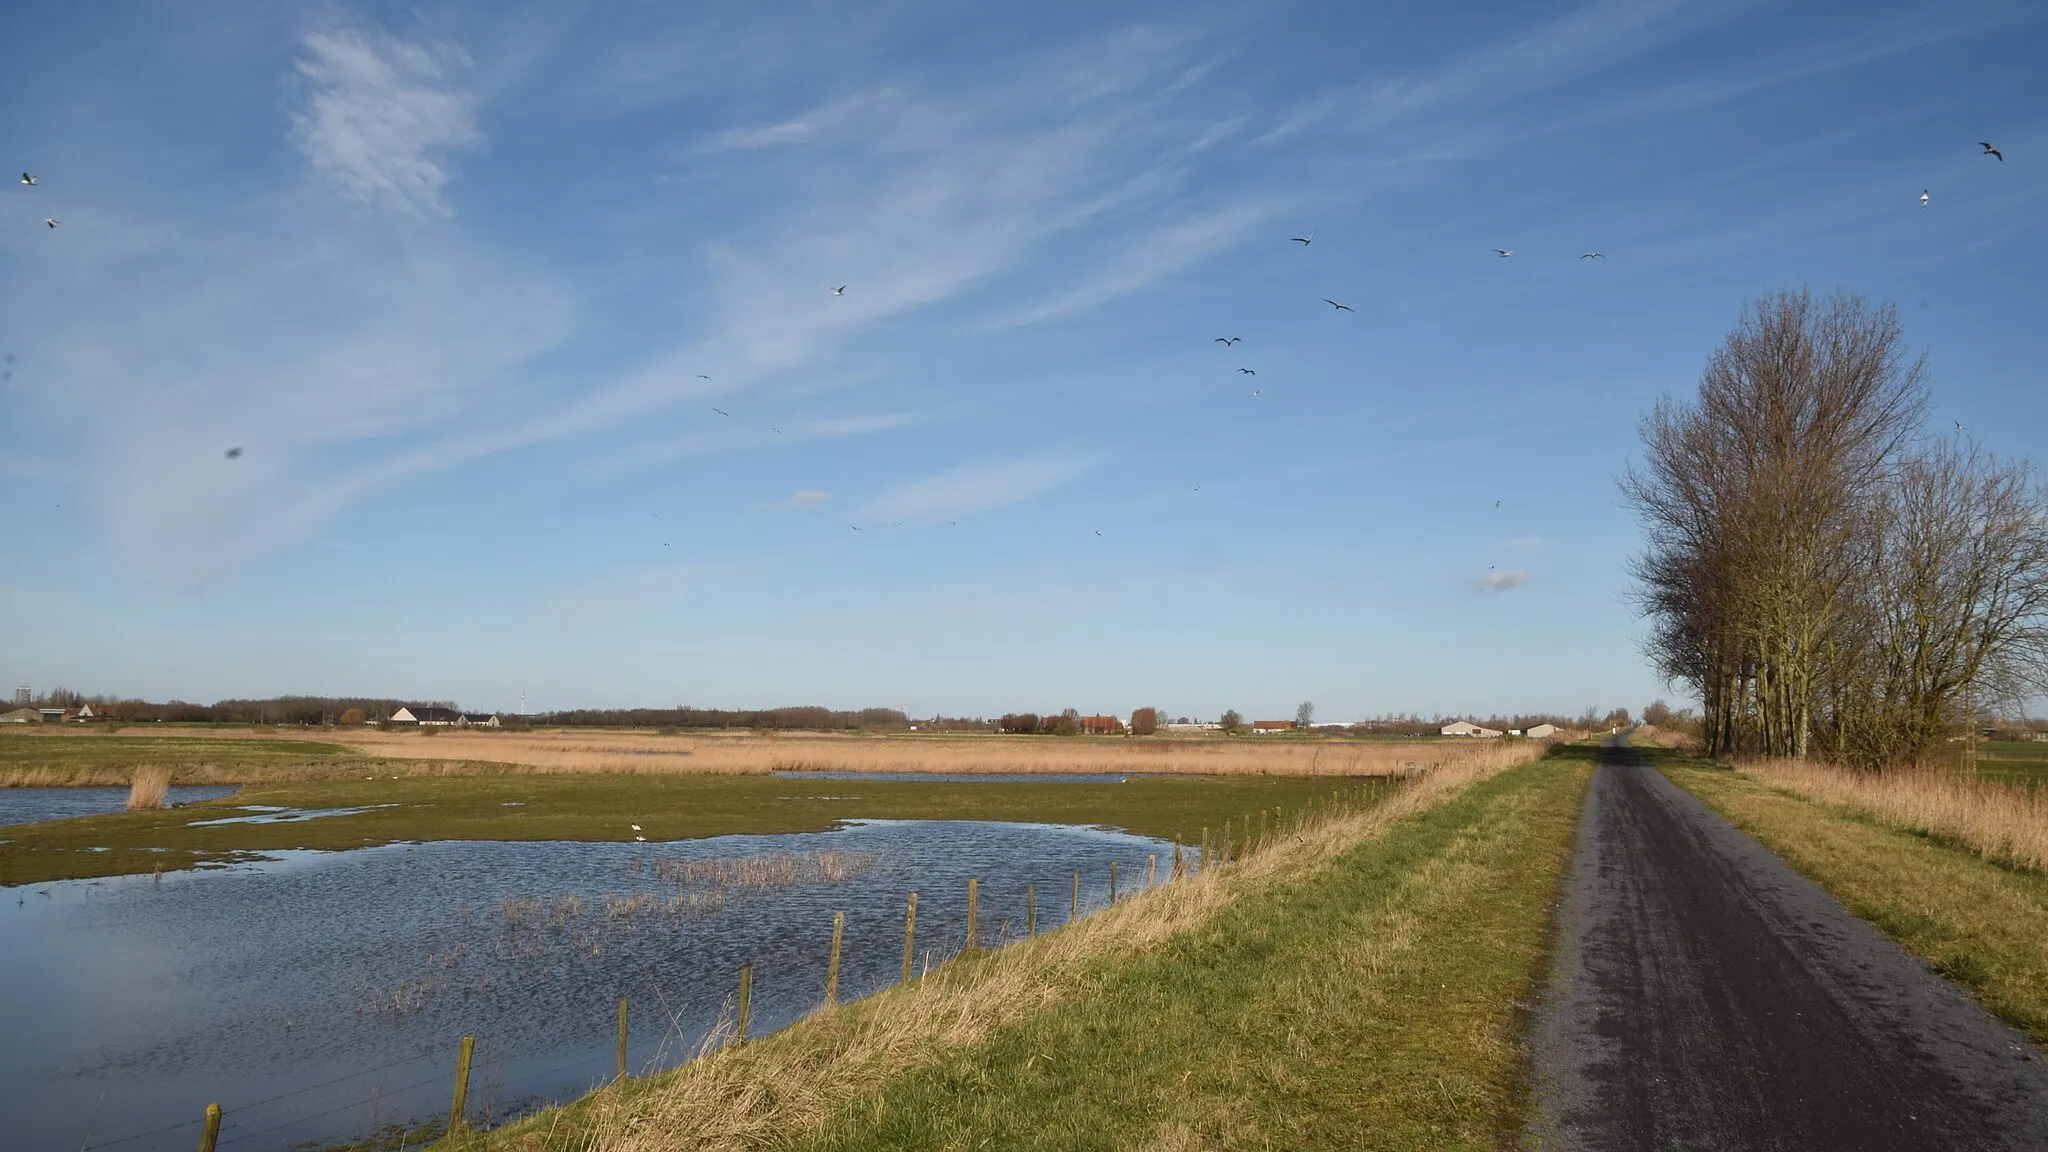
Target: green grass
x,y
2014,762
1982,924
1372,1004
597,807
104,758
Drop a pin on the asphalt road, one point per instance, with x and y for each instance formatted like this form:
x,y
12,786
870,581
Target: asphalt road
x,y
1705,996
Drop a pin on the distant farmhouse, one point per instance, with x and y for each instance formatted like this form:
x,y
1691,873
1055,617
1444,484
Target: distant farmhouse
x,y
1542,730
1101,725
21,716
1267,726
1467,728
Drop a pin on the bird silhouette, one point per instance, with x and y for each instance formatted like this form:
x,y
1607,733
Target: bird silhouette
x,y
855,527
1594,256
702,376
28,180
1923,197
1337,306
1226,341
1990,151
1098,531
774,429
839,291
1246,372
1252,395
51,221
721,411
1496,503
1304,241
234,453
1505,252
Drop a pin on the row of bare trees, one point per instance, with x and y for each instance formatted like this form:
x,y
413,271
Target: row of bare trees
x,y
1828,578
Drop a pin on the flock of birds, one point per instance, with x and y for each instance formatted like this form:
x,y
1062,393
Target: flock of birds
x,y
28,180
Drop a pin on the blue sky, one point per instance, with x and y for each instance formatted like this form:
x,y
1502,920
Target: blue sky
x,y
453,275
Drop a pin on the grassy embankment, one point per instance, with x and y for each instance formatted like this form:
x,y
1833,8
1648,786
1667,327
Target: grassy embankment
x,y
603,807
1357,984
1932,862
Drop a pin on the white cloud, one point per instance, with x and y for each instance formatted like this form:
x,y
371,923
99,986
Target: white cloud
x,y
1504,580
380,116
809,498
976,488
1158,253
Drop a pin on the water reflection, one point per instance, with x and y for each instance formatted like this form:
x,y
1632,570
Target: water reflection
x,y
320,995
35,805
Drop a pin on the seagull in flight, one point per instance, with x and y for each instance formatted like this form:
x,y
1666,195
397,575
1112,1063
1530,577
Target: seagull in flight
x,y
702,376
1505,252
774,429
721,411
235,453
839,291
28,180
1304,241
855,527
1253,395
1990,151
50,220
1337,306
1594,256
1496,503
1246,372
1098,531
1923,197
1226,341
1960,428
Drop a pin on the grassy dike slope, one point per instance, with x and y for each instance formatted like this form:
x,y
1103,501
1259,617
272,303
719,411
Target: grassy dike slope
x,y
1357,987
1982,924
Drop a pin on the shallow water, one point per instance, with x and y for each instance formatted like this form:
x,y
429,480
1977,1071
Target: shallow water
x,y
320,995
35,805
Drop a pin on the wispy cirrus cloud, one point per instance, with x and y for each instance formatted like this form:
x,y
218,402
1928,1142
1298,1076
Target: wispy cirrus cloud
x,y
977,488
381,115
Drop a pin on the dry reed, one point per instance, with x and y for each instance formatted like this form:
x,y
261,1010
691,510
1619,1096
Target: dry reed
x,y
767,1094
148,787
777,871
1999,822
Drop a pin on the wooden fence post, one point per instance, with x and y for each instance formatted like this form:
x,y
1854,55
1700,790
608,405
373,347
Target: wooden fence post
x,y
455,1110
1074,913
973,891
211,1132
832,969
622,1037
1179,868
1151,870
909,937
1112,881
1030,912
746,999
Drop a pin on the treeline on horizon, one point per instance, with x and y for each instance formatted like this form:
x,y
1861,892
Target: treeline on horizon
x,y
322,711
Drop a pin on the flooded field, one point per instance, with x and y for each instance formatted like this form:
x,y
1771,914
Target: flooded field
x,y
34,805
321,996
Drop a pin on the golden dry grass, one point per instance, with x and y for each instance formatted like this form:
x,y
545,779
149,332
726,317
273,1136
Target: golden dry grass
x,y
1997,821
770,1093
756,753
148,787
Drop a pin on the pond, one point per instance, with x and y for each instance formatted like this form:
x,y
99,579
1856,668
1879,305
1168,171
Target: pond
x,y
321,996
35,805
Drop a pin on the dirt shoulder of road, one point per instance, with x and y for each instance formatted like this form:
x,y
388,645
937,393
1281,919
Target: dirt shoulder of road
x,y
1982,924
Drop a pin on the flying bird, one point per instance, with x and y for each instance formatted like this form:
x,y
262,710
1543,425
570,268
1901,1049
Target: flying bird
x,y
855,527
1246,372
839,291
1923,197
1098,531
28,180
634,827
1505,252
1594,256
50,220
1228,340
1990,151
721,411
1496,503
1304,241
1252,395
774,429
234,453
702,376
1337,306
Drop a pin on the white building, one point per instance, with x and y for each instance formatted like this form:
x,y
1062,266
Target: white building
x,y
1467,728
1542,730
428,717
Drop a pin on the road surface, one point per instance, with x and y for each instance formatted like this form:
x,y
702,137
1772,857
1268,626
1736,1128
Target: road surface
x,y
1704,996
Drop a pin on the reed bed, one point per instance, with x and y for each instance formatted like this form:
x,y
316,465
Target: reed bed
x,y
777,871
758,753
2001,822
148,787
768,1094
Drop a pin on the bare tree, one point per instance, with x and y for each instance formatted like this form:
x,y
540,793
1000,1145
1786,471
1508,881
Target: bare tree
x,y
1304,714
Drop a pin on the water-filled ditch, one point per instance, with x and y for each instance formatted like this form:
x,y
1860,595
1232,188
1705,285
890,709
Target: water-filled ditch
x,y
320,996
34,805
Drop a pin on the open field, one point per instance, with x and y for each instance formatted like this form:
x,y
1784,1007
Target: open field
x,y
208,756
2014,762
1357,983
2007,823
1981,922
592,806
